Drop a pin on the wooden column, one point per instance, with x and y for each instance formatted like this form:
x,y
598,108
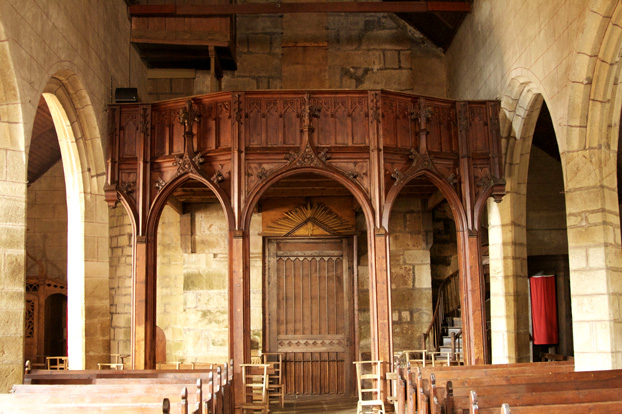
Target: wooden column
x,y
139,304
473,294
384,334
471,274
239,312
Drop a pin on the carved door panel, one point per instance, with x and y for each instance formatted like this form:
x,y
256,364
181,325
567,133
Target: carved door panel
x,y
310,313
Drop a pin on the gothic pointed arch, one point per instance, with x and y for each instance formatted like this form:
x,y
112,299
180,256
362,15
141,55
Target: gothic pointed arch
x,y
84,171
590,165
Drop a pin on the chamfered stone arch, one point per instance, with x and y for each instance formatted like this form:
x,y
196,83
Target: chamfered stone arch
x,y
507,223
590,170
12,219
84,170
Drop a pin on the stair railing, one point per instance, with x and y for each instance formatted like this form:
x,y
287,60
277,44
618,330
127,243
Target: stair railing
x,y
448,301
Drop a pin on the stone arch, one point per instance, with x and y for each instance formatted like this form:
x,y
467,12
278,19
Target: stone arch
x,y
12,218
520,108
84,170
591,190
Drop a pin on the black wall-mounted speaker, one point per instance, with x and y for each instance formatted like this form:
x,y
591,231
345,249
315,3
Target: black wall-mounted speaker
x,y
125,95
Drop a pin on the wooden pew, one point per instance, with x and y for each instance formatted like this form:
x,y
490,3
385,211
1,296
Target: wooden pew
x,y
598,407
526,388
93,391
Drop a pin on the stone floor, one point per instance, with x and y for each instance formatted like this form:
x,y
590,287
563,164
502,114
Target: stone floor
x,y
326,406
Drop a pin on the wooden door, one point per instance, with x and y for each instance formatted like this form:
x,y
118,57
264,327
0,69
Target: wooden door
x,y
310,314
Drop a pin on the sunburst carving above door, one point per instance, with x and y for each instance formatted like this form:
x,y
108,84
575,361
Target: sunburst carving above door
x,y
307,219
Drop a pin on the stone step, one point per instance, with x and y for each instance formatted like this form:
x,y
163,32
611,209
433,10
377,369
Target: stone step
x,y
447,341
449,329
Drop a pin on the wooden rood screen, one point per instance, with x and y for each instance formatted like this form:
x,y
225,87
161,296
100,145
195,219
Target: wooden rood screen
x,y
310,313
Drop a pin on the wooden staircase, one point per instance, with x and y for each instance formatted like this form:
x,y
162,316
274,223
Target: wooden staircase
x,y
444,335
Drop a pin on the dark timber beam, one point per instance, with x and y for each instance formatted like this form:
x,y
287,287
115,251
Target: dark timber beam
x,y
171,10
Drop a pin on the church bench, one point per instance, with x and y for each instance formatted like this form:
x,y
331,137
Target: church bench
x,y
508,396
485,380
134,398
130,387
527,389
592,407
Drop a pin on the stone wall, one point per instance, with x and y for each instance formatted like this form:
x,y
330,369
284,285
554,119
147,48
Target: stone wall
x,y
546,206
170,284
410,227
120,281
192,301
444,250
319,51
46,237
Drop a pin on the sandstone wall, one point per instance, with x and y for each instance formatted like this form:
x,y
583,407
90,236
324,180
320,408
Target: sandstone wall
x,y
120,281
546,206
46,237
411,280
84,42
318,51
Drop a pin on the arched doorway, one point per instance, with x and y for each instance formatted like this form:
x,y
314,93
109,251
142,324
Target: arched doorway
x,y
192,305
547,239
424,272
314,274
55,331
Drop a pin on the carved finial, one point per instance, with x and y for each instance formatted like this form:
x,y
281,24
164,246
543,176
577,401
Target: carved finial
x,y
309,112
188,116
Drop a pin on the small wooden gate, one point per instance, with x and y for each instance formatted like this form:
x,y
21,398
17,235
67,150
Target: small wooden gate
x,y
310,313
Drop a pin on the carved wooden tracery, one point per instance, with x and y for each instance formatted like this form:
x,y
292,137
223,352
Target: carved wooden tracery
x,y
373,142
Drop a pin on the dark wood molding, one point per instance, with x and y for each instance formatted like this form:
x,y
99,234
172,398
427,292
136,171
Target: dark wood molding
x,y
169,10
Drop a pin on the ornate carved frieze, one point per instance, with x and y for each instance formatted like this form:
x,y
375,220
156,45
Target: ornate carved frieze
x,y
308,157
311,344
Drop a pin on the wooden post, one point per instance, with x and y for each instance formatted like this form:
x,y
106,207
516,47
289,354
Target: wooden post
x,y
384,335
475,292
239,312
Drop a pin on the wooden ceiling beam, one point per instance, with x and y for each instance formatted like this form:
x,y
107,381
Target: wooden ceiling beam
x,y
172,10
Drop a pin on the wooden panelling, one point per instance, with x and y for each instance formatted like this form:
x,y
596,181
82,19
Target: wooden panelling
x,y
129,134
309,313
343,120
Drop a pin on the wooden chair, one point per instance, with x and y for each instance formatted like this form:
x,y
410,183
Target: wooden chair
x,y
255,381
276,389
118,364
416,357
57,362
369,378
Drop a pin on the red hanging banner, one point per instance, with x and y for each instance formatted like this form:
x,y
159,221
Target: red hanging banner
x,y
544,310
